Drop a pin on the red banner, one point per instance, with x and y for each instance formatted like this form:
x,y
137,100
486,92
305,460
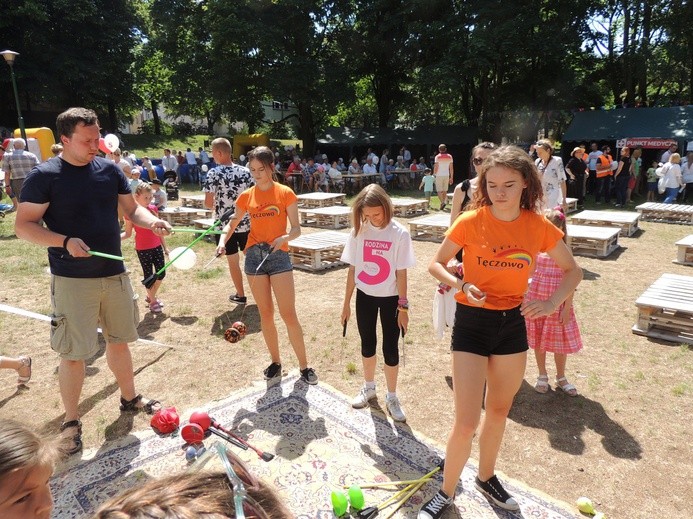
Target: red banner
x,y
646,142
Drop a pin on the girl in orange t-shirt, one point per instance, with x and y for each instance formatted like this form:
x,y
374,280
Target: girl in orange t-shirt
x,y
267,262
501,236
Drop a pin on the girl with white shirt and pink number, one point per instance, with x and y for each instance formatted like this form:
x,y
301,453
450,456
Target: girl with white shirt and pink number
x,y
379,252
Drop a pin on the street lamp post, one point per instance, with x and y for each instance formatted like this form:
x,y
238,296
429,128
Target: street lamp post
x,y
10,56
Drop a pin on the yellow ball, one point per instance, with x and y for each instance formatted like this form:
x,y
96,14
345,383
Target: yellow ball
x,y
585,505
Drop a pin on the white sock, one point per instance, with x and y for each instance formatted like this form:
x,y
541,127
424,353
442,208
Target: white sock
x,y
369,385
391,395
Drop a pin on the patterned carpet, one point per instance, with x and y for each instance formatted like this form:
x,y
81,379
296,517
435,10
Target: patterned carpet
x,y
320,443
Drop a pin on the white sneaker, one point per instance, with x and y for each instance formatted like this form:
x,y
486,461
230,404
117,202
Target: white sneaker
x,y
361,400
395,409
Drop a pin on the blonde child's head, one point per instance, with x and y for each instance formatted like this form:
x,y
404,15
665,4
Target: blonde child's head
x,y
372,204
143,193
26,464
557,217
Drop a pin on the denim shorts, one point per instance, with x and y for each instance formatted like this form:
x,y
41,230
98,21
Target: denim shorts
x,y
489,332
275,262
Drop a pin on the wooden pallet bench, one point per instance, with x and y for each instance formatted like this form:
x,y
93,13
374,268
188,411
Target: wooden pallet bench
x,y
318,251
430,228
182,215
320,199
571,204
332,217
627,222
684,251
405,207
194,201
592,241
665,309
667,213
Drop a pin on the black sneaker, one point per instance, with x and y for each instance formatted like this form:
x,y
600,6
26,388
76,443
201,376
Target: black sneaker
x,y
272,371
241,300
309,377
435,507
496,493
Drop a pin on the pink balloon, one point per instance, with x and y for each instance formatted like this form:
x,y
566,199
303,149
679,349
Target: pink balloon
x,y
102,146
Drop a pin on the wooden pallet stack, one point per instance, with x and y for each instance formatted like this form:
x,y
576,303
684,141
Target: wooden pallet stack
x,y
318,251
665,309
684,251
667,213
598,242
626,221
430,228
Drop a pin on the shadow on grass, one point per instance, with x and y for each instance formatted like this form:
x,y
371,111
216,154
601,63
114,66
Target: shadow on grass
x,y
588,275
565,419
122,425
250,317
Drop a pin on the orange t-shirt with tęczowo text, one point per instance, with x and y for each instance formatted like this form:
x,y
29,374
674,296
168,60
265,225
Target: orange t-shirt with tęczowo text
x,y
499,256
267,210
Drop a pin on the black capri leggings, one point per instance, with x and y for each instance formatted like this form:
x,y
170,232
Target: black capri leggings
x,y
152,260
367,308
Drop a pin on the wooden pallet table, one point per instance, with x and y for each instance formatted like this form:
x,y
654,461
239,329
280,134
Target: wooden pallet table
x,y
592,241
318,251
665,309
627,222
430,228
194,201
332,217
684,251
571,204
182,215
667,213
320,199
405,207
203,223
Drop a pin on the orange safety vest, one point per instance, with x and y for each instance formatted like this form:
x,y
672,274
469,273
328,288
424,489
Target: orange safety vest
x,y
604,161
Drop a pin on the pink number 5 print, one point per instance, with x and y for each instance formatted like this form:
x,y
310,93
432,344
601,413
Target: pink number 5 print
x,y
370,247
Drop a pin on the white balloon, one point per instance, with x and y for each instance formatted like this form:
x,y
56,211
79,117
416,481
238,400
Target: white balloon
x,y
186,260
111,142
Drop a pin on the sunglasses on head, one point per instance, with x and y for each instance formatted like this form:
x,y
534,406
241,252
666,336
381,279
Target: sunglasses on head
x,y
239,477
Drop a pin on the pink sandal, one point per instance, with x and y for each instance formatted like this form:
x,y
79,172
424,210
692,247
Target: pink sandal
x,y
155,307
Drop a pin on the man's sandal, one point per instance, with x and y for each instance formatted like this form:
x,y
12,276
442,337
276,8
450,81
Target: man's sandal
x,y
542,384
131,405
568,388
76,439
26,364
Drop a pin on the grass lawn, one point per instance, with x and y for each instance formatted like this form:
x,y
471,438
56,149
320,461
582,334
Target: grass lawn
x,y
153,146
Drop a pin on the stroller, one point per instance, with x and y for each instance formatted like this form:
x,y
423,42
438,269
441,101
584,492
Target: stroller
x,y
171,185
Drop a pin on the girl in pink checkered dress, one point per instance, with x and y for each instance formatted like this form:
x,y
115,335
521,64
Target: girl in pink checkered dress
x,y
557,333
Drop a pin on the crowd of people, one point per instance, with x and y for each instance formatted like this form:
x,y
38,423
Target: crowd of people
x,y
503,207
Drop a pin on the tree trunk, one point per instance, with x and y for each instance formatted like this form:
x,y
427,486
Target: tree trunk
x,y
306,127
112,115
155,115
645,51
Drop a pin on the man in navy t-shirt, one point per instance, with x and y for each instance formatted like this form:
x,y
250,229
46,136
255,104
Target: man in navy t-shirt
x,y
77,195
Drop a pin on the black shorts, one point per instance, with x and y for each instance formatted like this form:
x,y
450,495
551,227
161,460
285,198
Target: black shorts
x,y
236,243
489,332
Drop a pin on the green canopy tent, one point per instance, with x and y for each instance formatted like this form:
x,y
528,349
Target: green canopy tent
x,y
649,124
